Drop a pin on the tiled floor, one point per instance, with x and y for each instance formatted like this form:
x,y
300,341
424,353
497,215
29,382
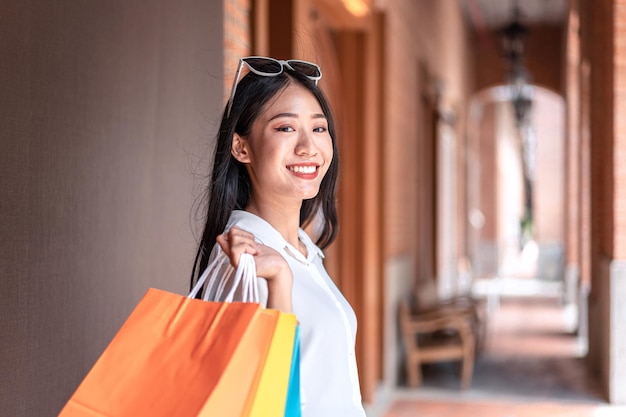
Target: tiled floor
x,y
531,365
403,408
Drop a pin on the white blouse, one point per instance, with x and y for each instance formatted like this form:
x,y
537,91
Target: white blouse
x,y
329,379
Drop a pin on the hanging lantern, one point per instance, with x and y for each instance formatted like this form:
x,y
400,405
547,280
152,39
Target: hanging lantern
x,y
512,41
512,38
521,94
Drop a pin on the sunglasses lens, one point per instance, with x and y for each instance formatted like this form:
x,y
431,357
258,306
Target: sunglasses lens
x,y
264,65
306,68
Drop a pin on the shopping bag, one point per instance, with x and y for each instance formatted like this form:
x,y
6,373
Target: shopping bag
x,y
178,356
292,404
267,395
271,394
281,369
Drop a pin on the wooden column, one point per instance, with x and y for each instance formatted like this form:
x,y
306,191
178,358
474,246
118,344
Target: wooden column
x,y
572,146
360,246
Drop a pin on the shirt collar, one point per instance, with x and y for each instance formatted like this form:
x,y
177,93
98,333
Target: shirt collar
x,y
267,235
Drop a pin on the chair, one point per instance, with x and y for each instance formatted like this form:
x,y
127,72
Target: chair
x,y
436,336
426,302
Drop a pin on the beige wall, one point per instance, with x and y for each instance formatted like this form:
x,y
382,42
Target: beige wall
x,y
106,113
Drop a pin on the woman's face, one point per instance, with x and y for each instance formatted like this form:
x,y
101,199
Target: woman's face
x,y
289,148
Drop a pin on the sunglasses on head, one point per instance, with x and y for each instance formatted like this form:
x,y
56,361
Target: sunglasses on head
x,y
270,67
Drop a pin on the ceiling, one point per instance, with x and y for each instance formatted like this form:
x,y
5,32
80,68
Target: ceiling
x,y
497,13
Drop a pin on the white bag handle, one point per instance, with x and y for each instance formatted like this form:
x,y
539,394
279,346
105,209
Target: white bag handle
x,y
245,276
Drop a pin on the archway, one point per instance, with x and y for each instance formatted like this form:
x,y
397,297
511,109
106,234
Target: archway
x,y
515,190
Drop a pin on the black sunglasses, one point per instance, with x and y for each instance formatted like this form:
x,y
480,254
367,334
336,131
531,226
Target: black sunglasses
x,y
271,67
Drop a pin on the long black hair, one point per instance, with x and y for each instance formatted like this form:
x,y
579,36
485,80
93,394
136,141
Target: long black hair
x,y
230,187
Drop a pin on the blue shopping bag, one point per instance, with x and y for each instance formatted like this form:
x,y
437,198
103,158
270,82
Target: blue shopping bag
x,y
292,406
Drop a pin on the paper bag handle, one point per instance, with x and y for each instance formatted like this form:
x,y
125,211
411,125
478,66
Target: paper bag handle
x,y
217,275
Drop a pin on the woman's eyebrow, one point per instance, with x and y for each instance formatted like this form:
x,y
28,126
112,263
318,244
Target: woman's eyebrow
x,y
294,115
279,115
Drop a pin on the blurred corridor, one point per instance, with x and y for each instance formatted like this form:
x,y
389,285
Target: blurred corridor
x,y
532,365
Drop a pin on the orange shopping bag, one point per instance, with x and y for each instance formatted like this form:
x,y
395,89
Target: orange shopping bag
x,y
178,356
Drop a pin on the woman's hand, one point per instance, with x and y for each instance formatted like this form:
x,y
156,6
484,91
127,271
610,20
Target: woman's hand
x,y
269,265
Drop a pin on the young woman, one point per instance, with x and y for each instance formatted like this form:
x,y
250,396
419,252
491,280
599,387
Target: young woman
x,y
275,172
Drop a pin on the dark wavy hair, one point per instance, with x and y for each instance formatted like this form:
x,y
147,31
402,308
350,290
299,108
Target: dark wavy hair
x,y
230,186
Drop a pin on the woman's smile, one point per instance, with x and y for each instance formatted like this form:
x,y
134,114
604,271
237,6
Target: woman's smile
x,y
306,171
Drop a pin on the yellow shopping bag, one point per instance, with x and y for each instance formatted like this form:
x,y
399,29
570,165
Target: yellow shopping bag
x,y
271,394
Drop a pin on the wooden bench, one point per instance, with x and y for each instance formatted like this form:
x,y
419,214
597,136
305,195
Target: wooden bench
x,y
438,335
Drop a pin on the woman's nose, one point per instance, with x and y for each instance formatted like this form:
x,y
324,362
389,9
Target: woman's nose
x,y
305,145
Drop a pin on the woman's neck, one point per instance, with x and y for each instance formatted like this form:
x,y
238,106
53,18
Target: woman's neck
x,y
285,219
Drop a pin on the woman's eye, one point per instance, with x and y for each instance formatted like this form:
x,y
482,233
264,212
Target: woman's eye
x,y
285,129
320,129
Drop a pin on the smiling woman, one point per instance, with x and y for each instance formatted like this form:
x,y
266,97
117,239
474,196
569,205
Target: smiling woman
x,y
275,171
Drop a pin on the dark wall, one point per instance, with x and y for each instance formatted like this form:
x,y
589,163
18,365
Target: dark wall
x,y
106,113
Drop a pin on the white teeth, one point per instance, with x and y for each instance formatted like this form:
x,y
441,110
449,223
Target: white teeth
x,y
309,169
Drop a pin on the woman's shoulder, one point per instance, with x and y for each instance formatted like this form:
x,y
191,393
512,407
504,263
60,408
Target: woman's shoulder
x,y
263,231
246,221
